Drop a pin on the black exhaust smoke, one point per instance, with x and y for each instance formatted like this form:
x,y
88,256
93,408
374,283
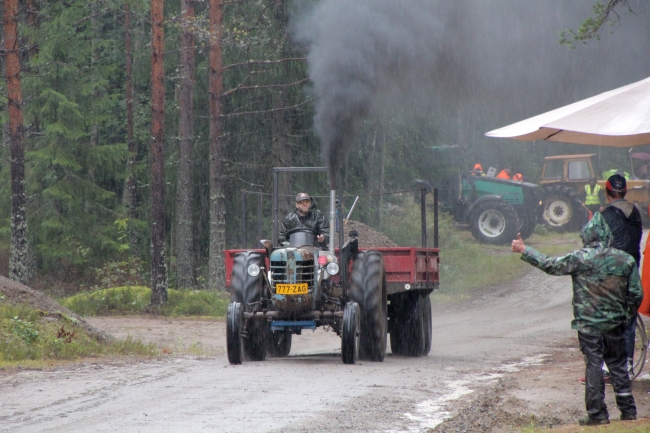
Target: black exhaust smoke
x,y
359,51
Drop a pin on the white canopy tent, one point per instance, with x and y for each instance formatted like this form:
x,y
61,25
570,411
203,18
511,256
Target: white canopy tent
x,y
618,118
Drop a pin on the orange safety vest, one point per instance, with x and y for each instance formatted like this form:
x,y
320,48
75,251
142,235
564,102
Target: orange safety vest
x,y
518,177
645,280
503,175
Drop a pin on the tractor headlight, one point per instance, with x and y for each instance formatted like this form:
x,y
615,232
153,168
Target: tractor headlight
x,y
253,270
332,268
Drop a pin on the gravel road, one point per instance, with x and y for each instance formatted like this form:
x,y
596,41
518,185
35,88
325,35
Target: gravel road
x,y
487,358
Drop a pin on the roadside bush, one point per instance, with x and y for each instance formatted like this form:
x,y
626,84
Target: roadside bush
x,y
128,272
136,300
26,337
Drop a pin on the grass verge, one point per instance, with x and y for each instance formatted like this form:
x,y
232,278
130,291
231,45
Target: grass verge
x,y
136,300
29,339
639,426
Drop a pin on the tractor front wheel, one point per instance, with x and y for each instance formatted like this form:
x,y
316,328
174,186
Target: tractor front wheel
x,y
494,222
351,332
234,333
279,343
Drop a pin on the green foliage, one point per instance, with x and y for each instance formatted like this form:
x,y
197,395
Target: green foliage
x,y
28,338
589,29
136,300
24,329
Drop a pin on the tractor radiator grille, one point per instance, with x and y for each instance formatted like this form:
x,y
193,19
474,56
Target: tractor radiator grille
x,y
303,272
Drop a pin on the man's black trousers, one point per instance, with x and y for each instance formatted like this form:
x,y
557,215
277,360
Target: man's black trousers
x,y
609,347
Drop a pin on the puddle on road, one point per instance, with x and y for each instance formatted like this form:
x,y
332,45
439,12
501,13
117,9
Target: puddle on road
x,y
432,412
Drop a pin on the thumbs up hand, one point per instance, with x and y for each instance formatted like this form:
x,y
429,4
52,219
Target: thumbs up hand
x,y
518,245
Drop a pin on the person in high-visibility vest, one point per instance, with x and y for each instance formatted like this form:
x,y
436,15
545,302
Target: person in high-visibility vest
x,y
505,174
478,170
593,196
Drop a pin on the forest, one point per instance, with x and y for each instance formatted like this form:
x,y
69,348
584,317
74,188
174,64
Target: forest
x,y
148,129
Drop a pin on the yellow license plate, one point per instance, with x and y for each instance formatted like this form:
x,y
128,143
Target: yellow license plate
x,y
291,289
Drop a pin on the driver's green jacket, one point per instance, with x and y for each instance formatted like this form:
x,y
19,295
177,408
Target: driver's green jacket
x,y
314,220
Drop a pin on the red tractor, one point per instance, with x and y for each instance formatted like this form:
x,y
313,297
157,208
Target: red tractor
x,y
361,294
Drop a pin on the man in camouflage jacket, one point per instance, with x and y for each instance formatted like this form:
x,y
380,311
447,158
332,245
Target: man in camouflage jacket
x,y
606,294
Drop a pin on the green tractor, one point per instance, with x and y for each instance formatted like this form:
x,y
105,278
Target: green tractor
x,y
495,210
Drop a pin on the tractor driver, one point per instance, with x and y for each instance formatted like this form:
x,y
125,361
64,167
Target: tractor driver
x,y
306,215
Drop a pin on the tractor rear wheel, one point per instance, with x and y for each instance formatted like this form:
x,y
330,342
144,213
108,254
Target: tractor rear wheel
x,y
368,289
494,222
247,290
562,209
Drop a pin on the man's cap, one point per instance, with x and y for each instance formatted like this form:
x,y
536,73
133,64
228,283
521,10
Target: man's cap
x,y
616,183
302,196
477,166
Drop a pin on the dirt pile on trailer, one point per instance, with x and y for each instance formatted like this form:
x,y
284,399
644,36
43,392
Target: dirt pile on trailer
x,y
368,238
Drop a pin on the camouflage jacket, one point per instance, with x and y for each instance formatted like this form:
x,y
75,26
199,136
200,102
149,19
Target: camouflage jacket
x,y
606,285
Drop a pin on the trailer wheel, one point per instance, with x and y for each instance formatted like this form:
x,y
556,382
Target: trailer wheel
x,y
247,290
368,289
428,324
411,325
351,333
234,337
279,343
494,222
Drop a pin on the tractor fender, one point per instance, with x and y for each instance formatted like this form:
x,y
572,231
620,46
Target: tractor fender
x,y
480,200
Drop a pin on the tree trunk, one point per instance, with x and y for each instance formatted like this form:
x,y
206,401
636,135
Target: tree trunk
x,y
282,156
18,262
216,265
158,265
129,199
185,186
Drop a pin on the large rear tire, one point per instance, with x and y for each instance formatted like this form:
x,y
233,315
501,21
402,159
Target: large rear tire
x,y
494,222
234,333
351,333
247,290
562,209
368,289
